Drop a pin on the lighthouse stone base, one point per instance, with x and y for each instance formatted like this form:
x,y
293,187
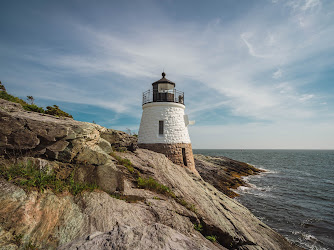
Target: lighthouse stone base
x,y
179,153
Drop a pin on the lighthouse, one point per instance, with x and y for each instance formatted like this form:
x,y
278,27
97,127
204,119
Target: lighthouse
x,y
163,126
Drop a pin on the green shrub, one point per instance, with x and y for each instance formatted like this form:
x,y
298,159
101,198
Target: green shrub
x,y
4,95
212,238
17,239
154,185
190,207
51,110
198,227
117,196
34,108
30,246
123,161
29,177
56,111
182,202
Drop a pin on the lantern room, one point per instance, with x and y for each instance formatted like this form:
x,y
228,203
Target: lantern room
x,y
163,90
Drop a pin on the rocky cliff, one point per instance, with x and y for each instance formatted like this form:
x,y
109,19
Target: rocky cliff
x,y
139,199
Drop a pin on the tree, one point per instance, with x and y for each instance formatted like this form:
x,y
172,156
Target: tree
x,y
56,111
2,88
31,99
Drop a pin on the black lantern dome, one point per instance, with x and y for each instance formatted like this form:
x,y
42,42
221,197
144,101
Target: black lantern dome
x,y
163,91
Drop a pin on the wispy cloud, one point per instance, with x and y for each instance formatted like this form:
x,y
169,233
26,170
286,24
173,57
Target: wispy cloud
x,y
217,59
255,67
277,74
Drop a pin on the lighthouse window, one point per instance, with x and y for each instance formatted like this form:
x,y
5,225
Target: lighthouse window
x,y
161,127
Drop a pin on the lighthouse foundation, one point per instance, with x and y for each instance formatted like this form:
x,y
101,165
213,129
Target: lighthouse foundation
x,y
179,153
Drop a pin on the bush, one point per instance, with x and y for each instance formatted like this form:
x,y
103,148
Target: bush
x,y
29,177
4,95
51,110
188,206
34,108
123,161
56,111
212,238
198,227
153,185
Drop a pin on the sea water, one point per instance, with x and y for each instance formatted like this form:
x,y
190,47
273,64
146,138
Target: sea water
x,y
295,196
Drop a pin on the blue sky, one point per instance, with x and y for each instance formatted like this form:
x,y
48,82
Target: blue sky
x,y
256,74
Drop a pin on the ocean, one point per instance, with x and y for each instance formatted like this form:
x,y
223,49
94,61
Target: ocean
x,y
295,196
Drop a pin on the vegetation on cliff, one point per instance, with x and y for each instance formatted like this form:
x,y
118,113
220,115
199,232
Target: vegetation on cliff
x,y
161,216
29,177
50,110
149,183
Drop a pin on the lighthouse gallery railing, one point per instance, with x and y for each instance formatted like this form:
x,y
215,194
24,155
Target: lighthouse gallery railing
x,y
167,96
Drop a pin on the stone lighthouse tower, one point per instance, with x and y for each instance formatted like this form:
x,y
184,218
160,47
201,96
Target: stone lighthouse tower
x,y
163,126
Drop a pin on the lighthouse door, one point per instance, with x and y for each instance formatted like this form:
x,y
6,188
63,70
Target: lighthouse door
x,y
184,156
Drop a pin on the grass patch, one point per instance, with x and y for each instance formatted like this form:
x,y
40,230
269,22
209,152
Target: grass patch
x,y
30,246
198,227
17,239
118,196
154,185
4,95
212,238
127,198
188,206
31,178
119,149
150,183
123,161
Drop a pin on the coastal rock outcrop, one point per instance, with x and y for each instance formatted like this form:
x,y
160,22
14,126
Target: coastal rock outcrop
x,y
143,198
224,173
57,138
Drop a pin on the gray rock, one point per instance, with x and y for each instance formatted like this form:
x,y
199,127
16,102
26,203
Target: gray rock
x,y
154,221
154,236
64,139
119,139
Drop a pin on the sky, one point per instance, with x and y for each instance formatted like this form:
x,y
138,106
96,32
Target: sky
x,y
257,74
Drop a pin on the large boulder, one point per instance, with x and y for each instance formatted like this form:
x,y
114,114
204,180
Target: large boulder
x,y
119,139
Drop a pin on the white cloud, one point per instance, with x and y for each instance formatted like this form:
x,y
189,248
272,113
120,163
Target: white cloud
x,y
277,74
311,5
306,97
234,61
252,51
304,5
